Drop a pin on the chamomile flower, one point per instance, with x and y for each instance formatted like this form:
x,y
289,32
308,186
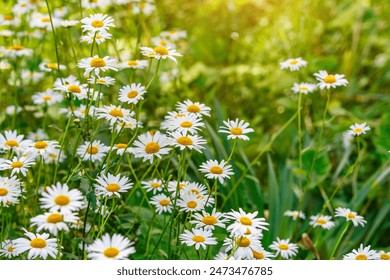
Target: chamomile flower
x,y
222,256
361,254
162,202
329,80
303,88
48,97
215,170
43,21
7,249
93,151
98,37
155,185
131,94
295,214
50,66
113,113
11,140
262,255
110,185
197,237
104,81
121,148
43,148
173,186
284,248
97,22
96,64
17,165
37,135
195,108
236,129
243,246
357,129
195,188
160,52
129,123
293,64
382,255
190,202
209,221
183,140
174,34
115,247
134,64
60,198
16,51
144,7
246,223
350,216
53,222
74,87
322,221
81,111
187,124
148,146
10,191
54,157
37,245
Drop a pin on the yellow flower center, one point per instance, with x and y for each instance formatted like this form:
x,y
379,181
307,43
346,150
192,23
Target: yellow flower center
x,y
182,186
47,98
321,221
45,19
209,220
97,23
330,79
93,150
248,231
3,192
303,88
16,164
184,140
98,36
100,81
192,204
351,216
116,113
361,257
161,50
16,48
132,94
195,191
186,124
53,156
155,185
216,170
179,115
236,131
111,252
12,143
283,247
152,147
243,242
52,65
113,187
10,249
258,255
97,62
54,218
132,63
62,200
40,145
121,146
193,108
74,89
246,221
164,202
163,43
198,238
358,130
294,61
38,243
8,17
384,257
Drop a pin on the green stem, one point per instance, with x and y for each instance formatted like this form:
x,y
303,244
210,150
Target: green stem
x,y
300,137
338,241
155,74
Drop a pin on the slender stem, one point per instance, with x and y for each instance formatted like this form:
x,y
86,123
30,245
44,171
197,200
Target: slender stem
x,y
155,74
300,137
338,241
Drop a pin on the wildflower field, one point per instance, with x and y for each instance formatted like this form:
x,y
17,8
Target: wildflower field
x,y
186,130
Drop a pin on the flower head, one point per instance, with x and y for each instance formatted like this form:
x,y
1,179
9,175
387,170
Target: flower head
x,y
93,151
131,94
322,221
284,248
295,214
97,22
246,223
350,216
149,146
162,202
115,247
160,52
329,80
110,185
236,129
96,64
215,170
197,238
357,129
304,88
361,254
293,64
54,221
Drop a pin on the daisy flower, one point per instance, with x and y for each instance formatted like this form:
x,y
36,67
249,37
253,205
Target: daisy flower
x,y
105,80
382,255
75,88
262,255
120,148
222,256
145,7
195,108
187,124
59,198
197,237
131,94
303,88
37,245
94,151
109,185
168,76
284,248
55,157
155,185
10,191
357,129
361,254
293,64
7,249
243,246
160,52
330,81
174,34
162,202
183,140
350,216
215,170
98,37
129,123
113,113
134,64
42,21
43,148
295,214
11,140
53,222
95,64
195,188
236,129
37,135
116,247
208,221
322,221
49,97
175,185
148,146
50,66
97,22
245,223
16,51
190,203
17,165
